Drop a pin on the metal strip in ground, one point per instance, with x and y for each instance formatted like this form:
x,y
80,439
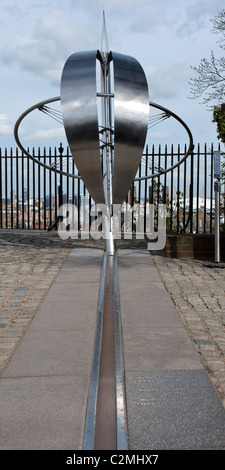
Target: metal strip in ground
x,y
89,432
106,426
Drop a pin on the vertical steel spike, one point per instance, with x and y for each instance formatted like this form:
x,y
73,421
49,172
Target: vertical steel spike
x,y
104,45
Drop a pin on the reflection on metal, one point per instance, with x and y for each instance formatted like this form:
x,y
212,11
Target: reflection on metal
x,y
106,132
131,111
80,116
130,120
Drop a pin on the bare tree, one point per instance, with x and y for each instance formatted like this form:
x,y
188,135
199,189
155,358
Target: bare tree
x,y
210,81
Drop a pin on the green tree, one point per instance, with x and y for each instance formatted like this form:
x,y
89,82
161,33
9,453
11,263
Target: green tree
x,y
219,119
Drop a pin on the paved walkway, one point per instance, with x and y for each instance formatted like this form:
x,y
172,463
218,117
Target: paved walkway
x,y
172,402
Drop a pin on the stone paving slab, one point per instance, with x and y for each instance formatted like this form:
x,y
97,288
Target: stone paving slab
x,y
175,409
157,339
37,412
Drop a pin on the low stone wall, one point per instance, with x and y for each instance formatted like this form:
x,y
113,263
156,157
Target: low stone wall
x,y
192,246
182,246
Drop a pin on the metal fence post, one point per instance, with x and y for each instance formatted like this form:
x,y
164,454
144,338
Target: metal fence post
x,y
61,149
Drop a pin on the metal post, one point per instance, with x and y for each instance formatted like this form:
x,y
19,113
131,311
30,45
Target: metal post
x,y
217,186
107,149
61,149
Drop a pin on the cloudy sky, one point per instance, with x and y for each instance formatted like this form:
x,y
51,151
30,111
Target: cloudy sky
x,y
166,37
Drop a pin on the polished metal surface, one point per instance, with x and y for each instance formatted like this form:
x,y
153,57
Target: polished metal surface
x,y
80,117
131,114
106,125
105,425
112,322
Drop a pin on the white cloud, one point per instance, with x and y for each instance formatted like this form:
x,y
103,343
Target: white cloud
x,y
162,135
46,134
6,127
61,30
166,81
45,50
33,55
183,17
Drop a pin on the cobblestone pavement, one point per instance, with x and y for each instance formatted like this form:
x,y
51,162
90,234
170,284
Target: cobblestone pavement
x,y
30,261
198,293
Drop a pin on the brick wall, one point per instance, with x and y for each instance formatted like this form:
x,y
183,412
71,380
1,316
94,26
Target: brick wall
x,y
193,246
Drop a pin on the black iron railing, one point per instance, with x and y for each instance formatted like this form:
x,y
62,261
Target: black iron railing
x,y
30,195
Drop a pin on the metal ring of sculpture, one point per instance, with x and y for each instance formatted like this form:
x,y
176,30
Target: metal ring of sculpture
x,y
16,136
187,153
40,106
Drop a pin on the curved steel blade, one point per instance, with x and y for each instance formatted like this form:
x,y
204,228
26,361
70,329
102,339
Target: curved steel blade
x,y
80,117
131,114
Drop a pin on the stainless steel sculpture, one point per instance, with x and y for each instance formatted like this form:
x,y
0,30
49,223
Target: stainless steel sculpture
x,y
121,122
105,110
